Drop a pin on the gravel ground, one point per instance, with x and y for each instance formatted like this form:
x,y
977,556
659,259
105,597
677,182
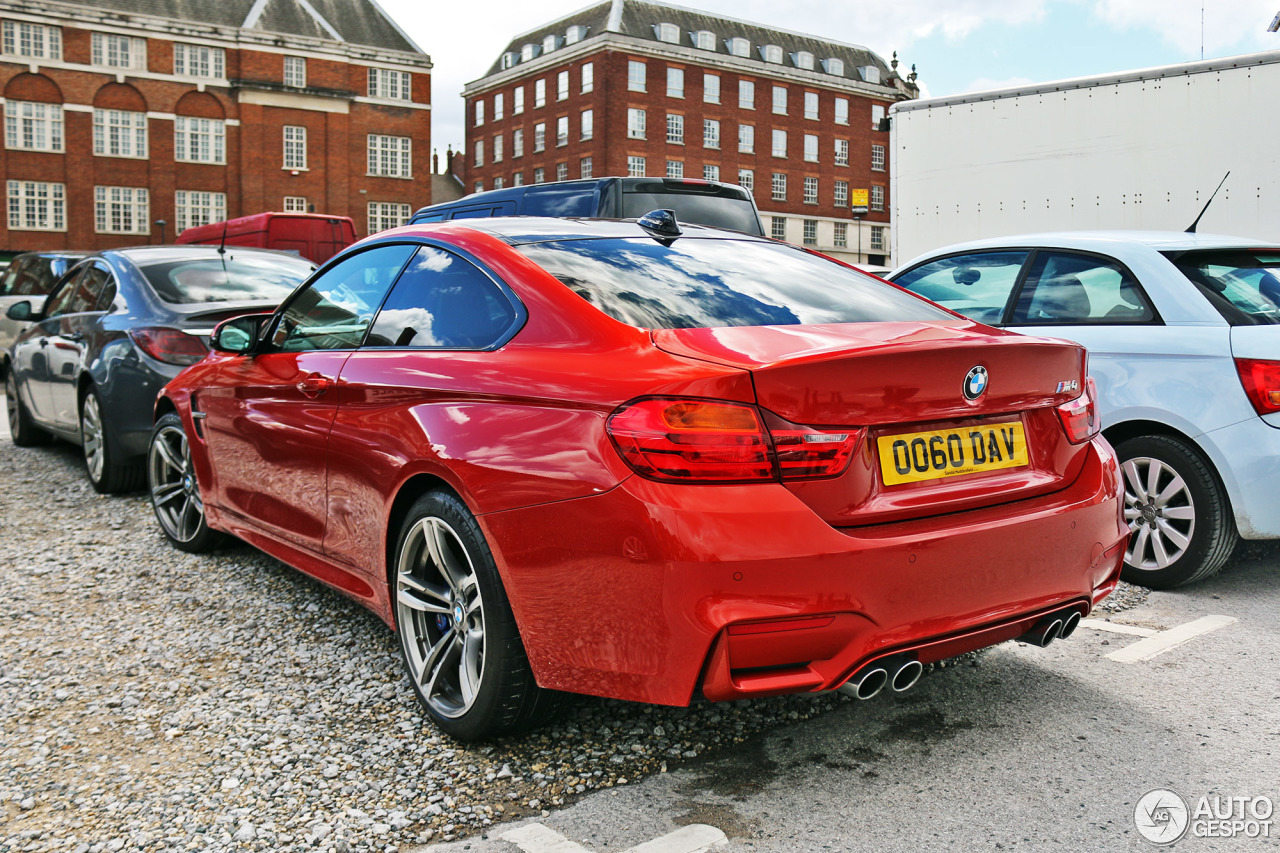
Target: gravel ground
x,y
154,700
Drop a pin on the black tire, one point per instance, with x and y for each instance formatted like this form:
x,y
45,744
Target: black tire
x,y
22,429
1183,530
433,595
174,491
108,473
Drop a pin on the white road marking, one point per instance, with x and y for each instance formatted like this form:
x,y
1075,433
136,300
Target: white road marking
x,y
695,838
1115,628
1163,641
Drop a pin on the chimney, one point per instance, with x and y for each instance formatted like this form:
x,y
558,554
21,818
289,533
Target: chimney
x,y
435,162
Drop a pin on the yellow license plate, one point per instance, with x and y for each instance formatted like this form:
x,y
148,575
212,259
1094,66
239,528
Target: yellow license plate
x,y
914,456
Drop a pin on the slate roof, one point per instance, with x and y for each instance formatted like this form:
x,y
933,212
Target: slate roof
x,y
358,22
637,18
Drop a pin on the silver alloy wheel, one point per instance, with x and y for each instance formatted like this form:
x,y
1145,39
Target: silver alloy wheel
x,y
92,437
1160,511
174,491
440,614
11,403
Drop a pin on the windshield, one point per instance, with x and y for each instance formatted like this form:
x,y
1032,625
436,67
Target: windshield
x,y
1244,285
701,283
235,278
718,211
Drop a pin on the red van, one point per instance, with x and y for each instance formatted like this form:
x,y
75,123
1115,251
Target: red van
x,y
315,236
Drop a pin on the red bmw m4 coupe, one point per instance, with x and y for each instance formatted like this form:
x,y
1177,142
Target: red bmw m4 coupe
x,y
645,460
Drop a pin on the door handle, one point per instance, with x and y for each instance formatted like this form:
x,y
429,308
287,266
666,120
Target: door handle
x,y
314,384
44,342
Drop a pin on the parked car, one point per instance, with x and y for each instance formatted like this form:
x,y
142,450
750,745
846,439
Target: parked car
x,y
31,274
116,328
641,461
701,202
314,236
1183,332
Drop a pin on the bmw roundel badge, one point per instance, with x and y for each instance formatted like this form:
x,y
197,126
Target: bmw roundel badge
x,y
975,382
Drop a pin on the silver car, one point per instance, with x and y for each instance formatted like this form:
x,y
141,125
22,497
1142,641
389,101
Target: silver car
x,y
1183,333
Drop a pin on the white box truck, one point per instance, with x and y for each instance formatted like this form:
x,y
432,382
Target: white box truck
x,y
1138,149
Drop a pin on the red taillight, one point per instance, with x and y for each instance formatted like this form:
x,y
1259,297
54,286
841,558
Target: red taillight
x,y
172,346
710,441
1261,381
1079,418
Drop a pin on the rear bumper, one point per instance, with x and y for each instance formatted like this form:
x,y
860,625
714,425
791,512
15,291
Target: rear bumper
x,y
650,590
1247,456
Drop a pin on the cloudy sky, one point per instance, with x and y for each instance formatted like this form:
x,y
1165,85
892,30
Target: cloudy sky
x,y
956,45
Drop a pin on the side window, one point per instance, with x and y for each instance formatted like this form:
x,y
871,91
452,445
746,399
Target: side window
x,y
335,309
7,283
445,302
77,292
1066,288
977,285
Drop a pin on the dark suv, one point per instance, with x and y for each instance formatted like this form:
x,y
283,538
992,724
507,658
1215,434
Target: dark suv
x,y
700,202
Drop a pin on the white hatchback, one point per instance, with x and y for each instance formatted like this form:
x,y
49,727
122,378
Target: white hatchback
x,y
1183,333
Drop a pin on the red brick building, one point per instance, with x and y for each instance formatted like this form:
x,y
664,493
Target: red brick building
x,y
647,89
119,113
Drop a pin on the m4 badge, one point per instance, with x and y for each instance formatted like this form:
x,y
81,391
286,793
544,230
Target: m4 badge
x,y
1069,385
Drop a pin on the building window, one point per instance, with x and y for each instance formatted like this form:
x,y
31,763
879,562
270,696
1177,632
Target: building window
x,y
635,124
842,152
739,47
34,40
877,198
539,137
37,206
746,95
635,76
517,142
33,127
121,210
842,110
704,40
387,214
390,156
711,133
803,59
573,35
385,83
292,203
811,105
562,131
200,208
675,129
635,167
517,180
193,60
772,53
746,138
119,133
669,33
517,101
562,86
675,168
588,124
842,194
675,82
588,77
584,168
877,238
479,112
877,116
779,186
539,93
779,143
550,43
562,171
811,232
497,107
203,140
497,148
877,158
780,100
710,173
497,183
747,178
528,52
833,66
539,175
810,190
478,186
841,240
811,147
295,71
112,51
295,147
711,88
509,59
778,227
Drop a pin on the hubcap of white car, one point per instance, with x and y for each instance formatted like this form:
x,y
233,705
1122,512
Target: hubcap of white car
x,y
1160,512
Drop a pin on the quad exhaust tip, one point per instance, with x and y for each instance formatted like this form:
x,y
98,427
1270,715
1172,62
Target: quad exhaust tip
x,y
1069,625
907,676
1055,626
869,682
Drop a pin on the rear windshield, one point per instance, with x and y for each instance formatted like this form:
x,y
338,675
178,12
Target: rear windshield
x,y
735,214
699,283
1244,285
237,277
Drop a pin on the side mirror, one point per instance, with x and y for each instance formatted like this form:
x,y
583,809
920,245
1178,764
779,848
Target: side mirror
x,y
20,311
238,335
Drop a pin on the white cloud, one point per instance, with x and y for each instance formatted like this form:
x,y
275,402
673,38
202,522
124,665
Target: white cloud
x,y
1237,25
983,84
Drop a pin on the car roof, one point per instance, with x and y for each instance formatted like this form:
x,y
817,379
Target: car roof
x,y
517,230
1160,241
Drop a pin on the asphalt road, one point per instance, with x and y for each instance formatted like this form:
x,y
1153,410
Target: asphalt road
x,y
1029,749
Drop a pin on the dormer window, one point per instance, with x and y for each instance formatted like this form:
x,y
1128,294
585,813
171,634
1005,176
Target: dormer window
x,y
870,74
704,40
528,52
833,66
509,59
803,59
575,34
669,33
739,46
550,43
772,53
